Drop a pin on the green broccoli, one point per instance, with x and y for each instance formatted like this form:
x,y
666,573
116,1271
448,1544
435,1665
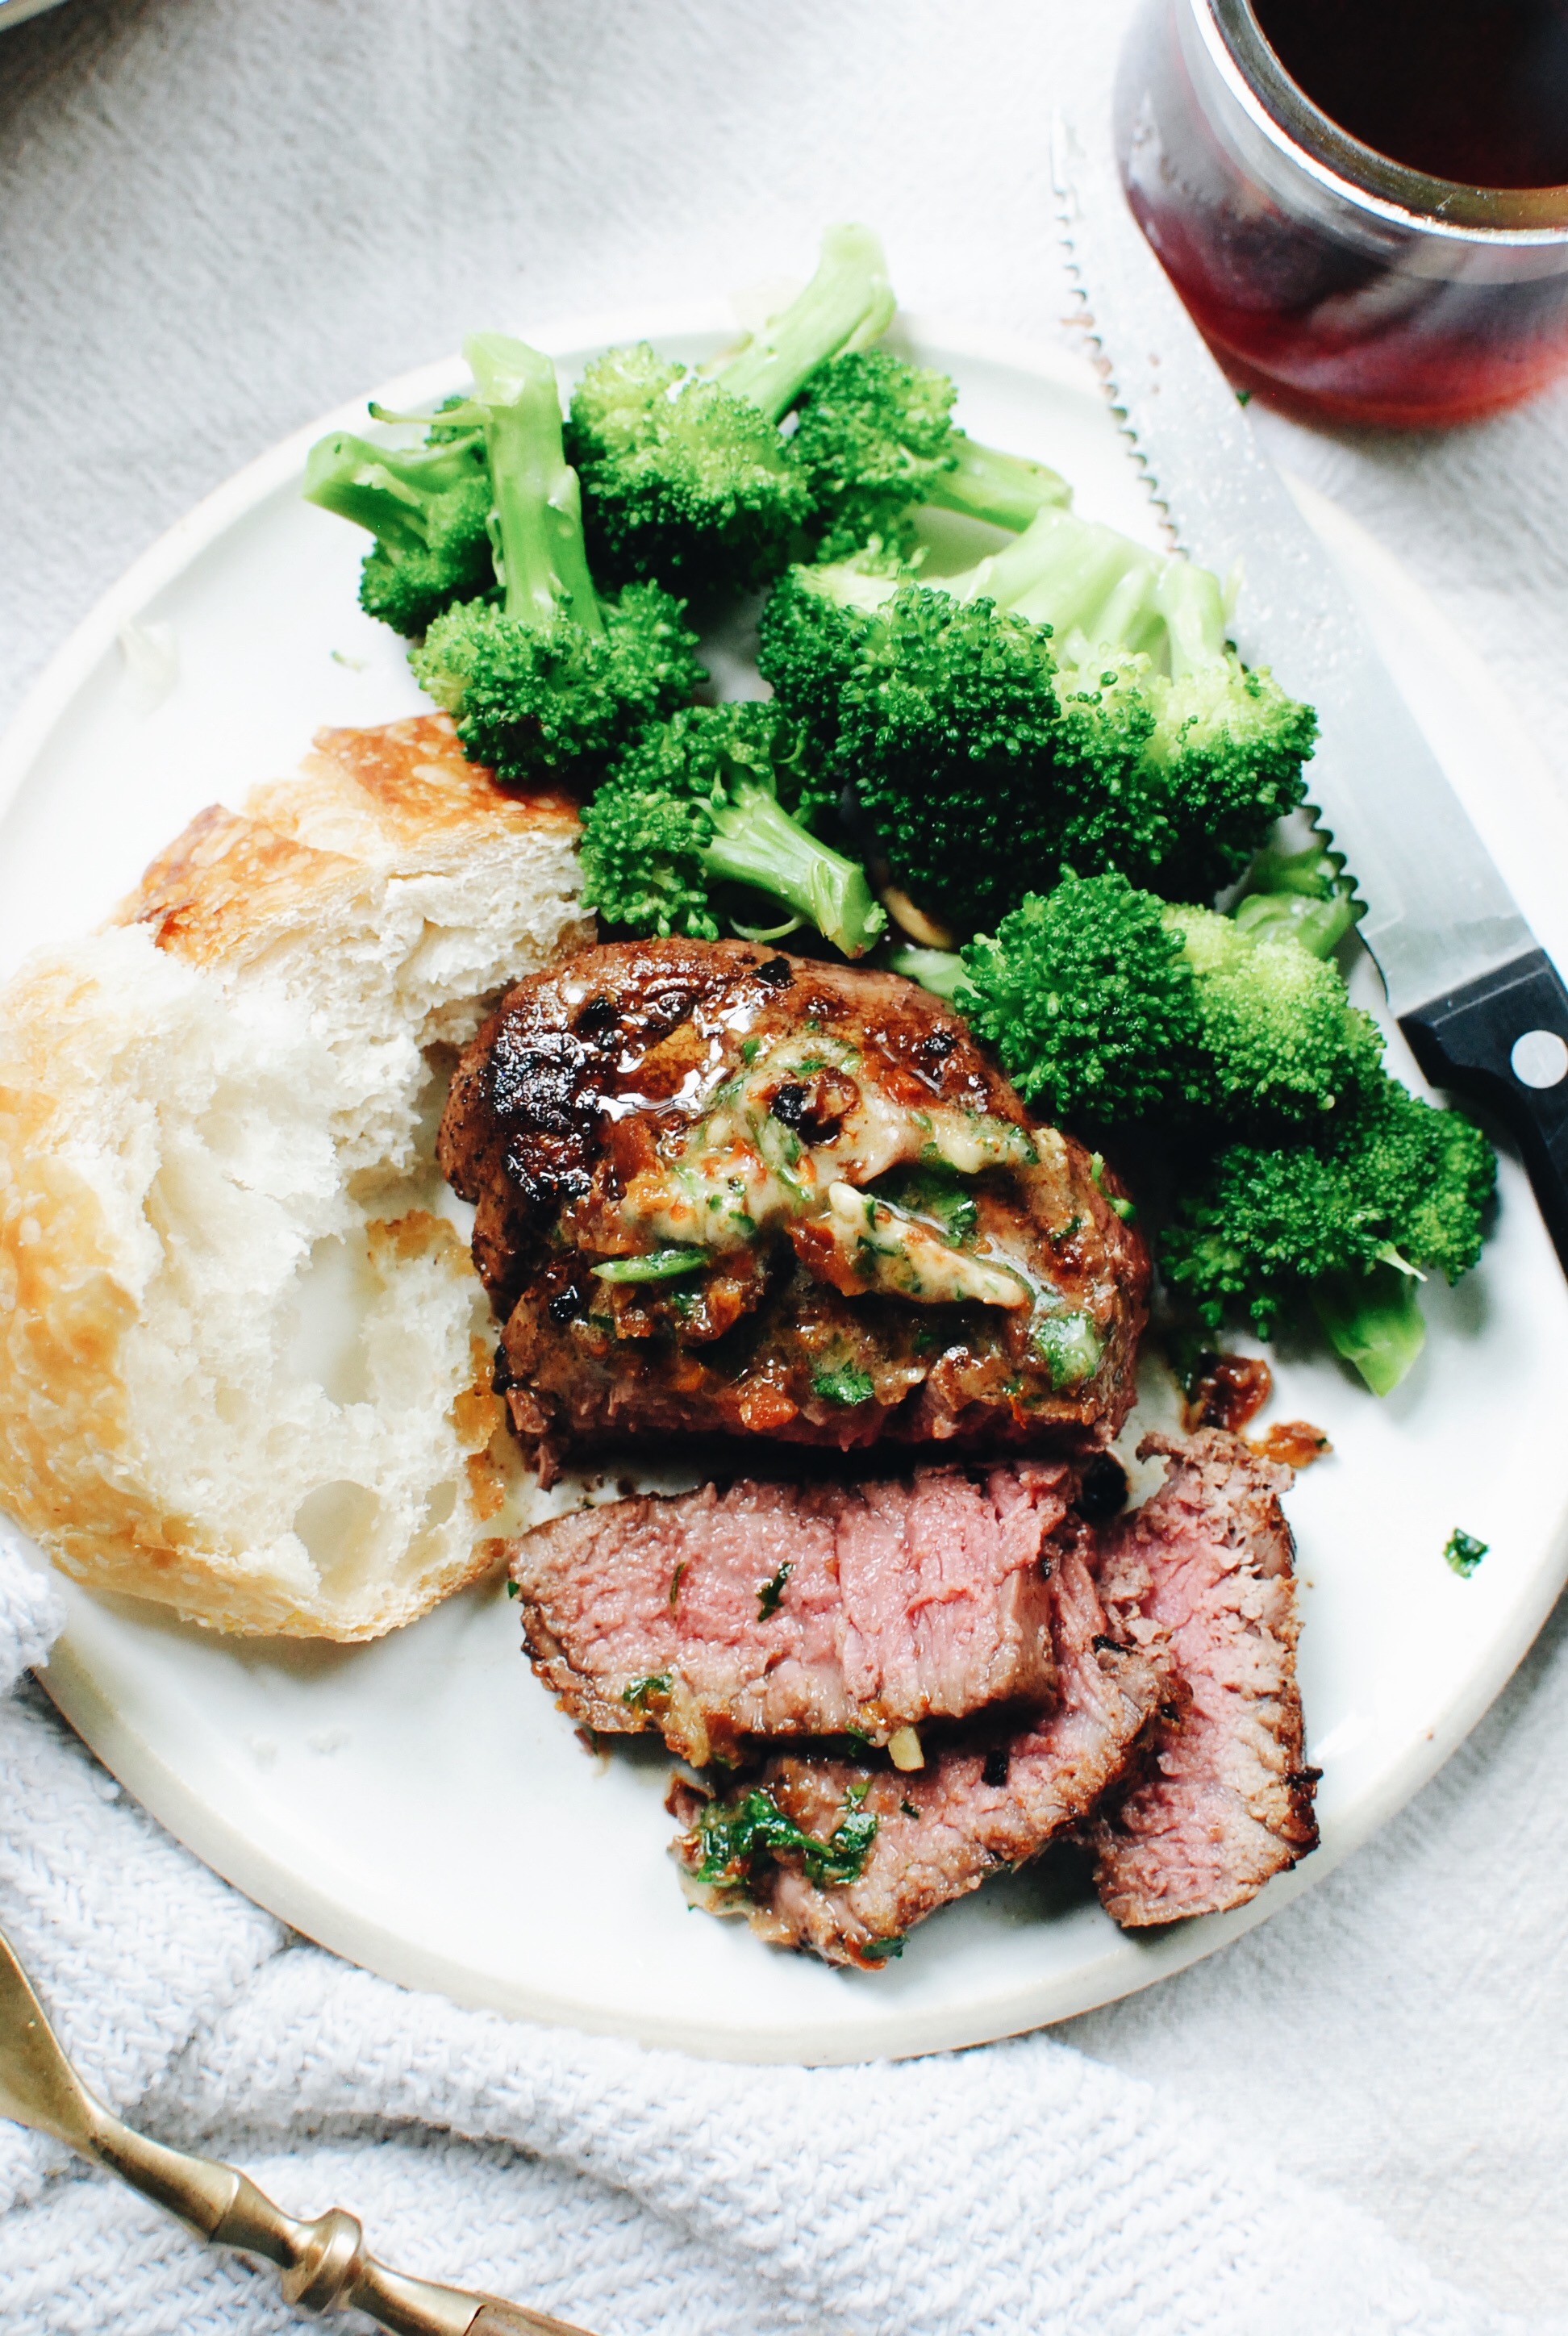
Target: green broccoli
x,y
1305,894
939,714
552,682
941,971
1346,1222
1071,701
687,474
1222,759
428,508
1278,1039
695,804
876,438
1109,1004
1088,998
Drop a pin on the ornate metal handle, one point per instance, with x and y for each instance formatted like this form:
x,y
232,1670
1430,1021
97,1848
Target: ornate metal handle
x,y
325,2264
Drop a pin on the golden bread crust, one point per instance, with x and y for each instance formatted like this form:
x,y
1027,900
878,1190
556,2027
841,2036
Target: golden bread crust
x,y
216,949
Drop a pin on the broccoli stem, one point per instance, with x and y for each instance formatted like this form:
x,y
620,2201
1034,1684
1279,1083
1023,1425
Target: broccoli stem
x,y
1190,600
1305,895
383,489
1008,489
941,971
1075,577
755,842
847,304
1078,577
537,523
1373,1321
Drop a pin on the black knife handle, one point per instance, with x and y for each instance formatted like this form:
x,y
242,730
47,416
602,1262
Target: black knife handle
x,y
1503,1039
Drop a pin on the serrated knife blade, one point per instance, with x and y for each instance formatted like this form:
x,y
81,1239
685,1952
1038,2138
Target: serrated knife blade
x,y
1482,1005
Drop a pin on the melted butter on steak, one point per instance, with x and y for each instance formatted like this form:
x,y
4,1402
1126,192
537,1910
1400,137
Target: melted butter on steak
x,y
725,1192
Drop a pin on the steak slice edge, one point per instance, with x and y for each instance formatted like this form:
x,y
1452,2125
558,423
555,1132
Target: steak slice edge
x,y
791,1609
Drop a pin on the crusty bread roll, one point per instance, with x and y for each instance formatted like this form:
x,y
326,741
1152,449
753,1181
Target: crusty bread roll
x,y
244,1359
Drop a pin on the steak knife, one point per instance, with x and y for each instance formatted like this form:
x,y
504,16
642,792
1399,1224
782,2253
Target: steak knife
x,y
1483,1007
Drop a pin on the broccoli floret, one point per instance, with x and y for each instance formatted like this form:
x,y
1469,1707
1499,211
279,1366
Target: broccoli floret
x,y
1279,1038
1227,741
1088,998
813,626
1070,701
1346,1222
1106,1003
938,713
695,804
876,438
428,508
873,436
1221,760
551,683
687,475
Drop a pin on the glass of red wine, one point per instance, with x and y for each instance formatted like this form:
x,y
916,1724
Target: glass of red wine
x,y
1364,203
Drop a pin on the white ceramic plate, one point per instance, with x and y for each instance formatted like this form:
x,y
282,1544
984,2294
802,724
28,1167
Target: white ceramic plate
x,y
419,1805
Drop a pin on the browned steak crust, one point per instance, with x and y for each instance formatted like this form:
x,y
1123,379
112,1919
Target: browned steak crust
x,y
656,1099
1202,1574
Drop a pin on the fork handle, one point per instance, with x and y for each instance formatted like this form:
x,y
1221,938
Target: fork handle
x,y
498,2319
323,2265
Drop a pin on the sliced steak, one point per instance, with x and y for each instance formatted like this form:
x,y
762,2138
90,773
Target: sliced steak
x,y
727,1192
883,1850
813,1609
1202,1574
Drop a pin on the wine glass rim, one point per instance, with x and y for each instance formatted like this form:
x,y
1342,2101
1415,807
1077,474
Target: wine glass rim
x,y
1373,181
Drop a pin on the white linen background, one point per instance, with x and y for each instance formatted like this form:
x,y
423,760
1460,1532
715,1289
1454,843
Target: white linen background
x,y
219,218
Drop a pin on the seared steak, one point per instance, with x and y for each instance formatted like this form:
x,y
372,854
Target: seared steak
x,y
881,1850
799,1609
725,1192
1174,1747
1202,1574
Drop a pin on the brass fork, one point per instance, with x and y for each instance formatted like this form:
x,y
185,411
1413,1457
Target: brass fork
x,y
323,2265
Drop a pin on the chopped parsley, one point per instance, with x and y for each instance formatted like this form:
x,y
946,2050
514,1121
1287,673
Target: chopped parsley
x,y
1126,1209
768,1593
844,1383
514,1590
750,1048
909,1808
1464,1553
943,1198
1069,1346
642,1691
675,1582
653,1265
881,1951
734,1834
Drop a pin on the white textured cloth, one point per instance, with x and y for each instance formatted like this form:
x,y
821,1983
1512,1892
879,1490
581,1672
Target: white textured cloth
x,y
220,218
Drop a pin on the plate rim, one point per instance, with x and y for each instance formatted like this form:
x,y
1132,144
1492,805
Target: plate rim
x,y
235,1855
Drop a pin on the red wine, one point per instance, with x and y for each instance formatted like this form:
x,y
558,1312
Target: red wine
x,y
1301,293
1474,91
